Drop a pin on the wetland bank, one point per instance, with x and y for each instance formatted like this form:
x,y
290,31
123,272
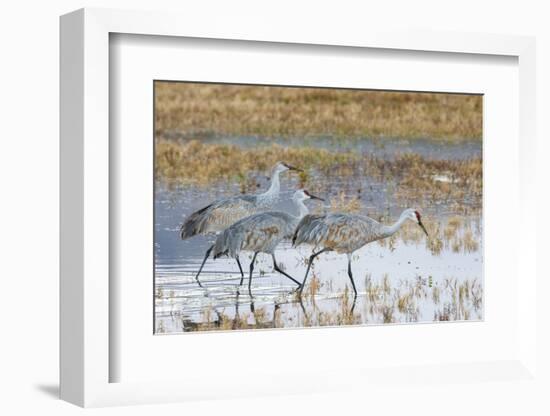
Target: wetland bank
x,y
367,152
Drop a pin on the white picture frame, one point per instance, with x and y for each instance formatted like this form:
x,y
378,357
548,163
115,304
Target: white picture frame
x,y
86,356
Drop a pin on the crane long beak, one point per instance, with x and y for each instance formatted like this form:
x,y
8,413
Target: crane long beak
x,y
423,228
316,197
290,167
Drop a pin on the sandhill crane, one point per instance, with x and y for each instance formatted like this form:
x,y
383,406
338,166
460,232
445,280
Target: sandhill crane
x,y
222,213
345,233
259,233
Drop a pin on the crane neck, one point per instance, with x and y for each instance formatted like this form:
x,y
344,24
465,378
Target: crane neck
x,y
389,230
274,187
301,207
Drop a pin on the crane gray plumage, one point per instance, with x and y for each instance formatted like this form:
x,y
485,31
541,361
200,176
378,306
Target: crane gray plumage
x,y
342,233
345,233
259,233
220,214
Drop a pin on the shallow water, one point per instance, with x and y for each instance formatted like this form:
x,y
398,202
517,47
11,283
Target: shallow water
x,y
385,147
405,281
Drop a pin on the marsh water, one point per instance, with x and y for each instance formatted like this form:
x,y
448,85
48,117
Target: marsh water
x,y
407,278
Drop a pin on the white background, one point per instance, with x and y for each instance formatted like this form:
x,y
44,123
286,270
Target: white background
x,y
137,61
29,207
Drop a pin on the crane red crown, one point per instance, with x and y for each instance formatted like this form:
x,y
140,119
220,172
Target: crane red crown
x,y
417,215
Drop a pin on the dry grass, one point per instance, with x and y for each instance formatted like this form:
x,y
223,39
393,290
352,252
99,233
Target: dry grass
x,y
415,174
465,300
192,162
342,203
193,109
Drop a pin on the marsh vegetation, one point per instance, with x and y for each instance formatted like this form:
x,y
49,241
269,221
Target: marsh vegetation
x,y
184,110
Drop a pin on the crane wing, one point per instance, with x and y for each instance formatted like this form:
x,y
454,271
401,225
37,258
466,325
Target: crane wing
x,y
341,232
259,232
218,215
308,229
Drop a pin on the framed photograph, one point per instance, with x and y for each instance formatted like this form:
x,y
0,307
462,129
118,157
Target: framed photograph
x,y
265,206
386,197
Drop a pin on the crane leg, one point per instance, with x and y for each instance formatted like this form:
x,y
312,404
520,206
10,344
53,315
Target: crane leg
x,y
250,277
351,275
202,265
353,305
276,267
241,269
311,258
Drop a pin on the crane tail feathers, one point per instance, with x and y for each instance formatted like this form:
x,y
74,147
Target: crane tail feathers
x,y
307,230
195,224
